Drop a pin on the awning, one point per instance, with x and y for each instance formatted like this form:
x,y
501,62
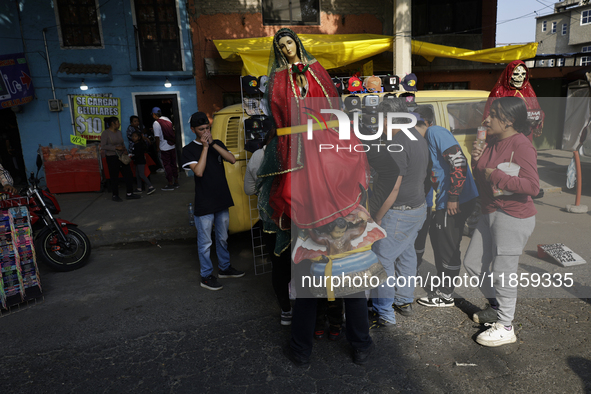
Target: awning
x,y
504,54
338,50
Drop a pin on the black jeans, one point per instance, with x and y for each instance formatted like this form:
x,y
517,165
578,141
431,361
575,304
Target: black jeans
x,y
421,240
115,165
281,274
446,235
304,321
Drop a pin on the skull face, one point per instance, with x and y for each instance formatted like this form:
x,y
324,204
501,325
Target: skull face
x,y
518,77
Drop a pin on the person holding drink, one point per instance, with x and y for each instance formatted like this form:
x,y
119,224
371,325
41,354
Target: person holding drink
x,y
113,146
507,220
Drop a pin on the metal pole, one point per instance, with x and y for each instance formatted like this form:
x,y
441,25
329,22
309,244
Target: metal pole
x,y
48,63
59,125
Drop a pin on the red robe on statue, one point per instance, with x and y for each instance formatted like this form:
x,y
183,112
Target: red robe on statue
x,y
315,187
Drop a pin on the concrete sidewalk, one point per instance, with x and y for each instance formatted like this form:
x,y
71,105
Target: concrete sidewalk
x,y
164,215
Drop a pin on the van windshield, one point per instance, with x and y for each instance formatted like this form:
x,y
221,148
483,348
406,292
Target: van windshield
x,y
464,118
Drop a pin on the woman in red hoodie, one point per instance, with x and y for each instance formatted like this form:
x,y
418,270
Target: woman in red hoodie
x,y
507,220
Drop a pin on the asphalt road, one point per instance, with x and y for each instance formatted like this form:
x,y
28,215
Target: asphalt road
x,y
136,320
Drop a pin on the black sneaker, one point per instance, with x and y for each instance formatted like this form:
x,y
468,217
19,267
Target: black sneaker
x,y
132,197
382,325
116,199
319,334
437,300
335,333
167,188
488,315
404,309
151,190
360,357
176,185
211,283
286,318
298,361
230,273
373,317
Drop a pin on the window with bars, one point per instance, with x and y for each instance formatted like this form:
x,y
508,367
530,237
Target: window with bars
x,y
158,35
291,12
79,23
561,62
585,17
544,25
564,29
553,27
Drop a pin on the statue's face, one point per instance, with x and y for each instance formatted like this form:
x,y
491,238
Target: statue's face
x,y
518,77
289,49
338,232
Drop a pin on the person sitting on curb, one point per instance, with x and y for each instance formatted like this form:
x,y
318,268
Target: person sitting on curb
x,y
205,157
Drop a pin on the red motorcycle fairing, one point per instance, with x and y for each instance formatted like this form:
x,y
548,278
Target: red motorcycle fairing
x,y
62,222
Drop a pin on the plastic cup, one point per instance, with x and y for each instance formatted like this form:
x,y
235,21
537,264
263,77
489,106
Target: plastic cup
x,y
509,169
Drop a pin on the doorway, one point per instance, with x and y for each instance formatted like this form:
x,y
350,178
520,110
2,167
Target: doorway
x,y
11,151
169,105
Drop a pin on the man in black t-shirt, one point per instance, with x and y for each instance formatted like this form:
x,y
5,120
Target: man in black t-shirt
x,y
204,156
402,216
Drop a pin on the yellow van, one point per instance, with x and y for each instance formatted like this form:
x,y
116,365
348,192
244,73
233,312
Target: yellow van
x,y
459,111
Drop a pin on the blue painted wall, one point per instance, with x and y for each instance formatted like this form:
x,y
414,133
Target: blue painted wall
x,y
37,125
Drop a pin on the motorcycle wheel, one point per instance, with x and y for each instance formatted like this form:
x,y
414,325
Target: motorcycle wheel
x,y
56,255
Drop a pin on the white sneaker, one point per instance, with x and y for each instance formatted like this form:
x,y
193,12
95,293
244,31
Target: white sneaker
x,y
496,335
160,170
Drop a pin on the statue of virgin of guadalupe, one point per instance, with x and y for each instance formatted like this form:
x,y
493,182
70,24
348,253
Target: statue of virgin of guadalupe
x,y
299,183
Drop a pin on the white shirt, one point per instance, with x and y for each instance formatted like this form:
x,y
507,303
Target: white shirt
x,y
250,177
164,146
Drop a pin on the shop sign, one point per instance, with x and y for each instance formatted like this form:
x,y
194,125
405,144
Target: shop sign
x,y
90,113
76,140
16,85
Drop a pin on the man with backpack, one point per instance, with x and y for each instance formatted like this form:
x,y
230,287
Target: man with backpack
x,y
165,140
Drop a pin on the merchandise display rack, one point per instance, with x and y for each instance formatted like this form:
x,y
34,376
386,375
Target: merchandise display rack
x,y
19,274
262,261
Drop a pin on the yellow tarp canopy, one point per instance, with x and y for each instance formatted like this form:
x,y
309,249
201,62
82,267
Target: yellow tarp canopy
x,y
504,54
338,50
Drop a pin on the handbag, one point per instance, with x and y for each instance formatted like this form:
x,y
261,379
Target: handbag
x,y
124,157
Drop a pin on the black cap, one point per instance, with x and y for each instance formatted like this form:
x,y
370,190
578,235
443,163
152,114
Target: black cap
x,y
198,119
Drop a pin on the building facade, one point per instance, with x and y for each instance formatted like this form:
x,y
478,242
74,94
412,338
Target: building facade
x,y
565,33
218,82
126,49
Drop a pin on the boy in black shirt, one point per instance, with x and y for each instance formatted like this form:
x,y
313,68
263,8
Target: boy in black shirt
x,y
204,156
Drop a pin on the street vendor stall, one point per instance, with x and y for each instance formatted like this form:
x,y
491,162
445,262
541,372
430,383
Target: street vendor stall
x,y
71,169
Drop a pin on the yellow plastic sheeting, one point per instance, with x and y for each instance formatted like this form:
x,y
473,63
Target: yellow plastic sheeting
x,y
331,51
504,54
338,50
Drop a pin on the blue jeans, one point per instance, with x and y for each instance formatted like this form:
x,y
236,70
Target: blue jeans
x,y
399,258
204,225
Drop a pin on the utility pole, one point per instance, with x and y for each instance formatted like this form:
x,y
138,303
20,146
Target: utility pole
x,y
402,37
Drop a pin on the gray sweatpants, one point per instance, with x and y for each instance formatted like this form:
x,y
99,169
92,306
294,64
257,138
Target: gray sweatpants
x,y
497,243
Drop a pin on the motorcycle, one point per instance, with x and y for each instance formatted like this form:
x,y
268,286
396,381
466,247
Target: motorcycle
x,y
59,243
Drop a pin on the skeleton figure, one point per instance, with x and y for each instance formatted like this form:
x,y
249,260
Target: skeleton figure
x,y
518,77
514,82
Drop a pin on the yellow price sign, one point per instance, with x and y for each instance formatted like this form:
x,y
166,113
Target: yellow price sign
x,y
77,140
